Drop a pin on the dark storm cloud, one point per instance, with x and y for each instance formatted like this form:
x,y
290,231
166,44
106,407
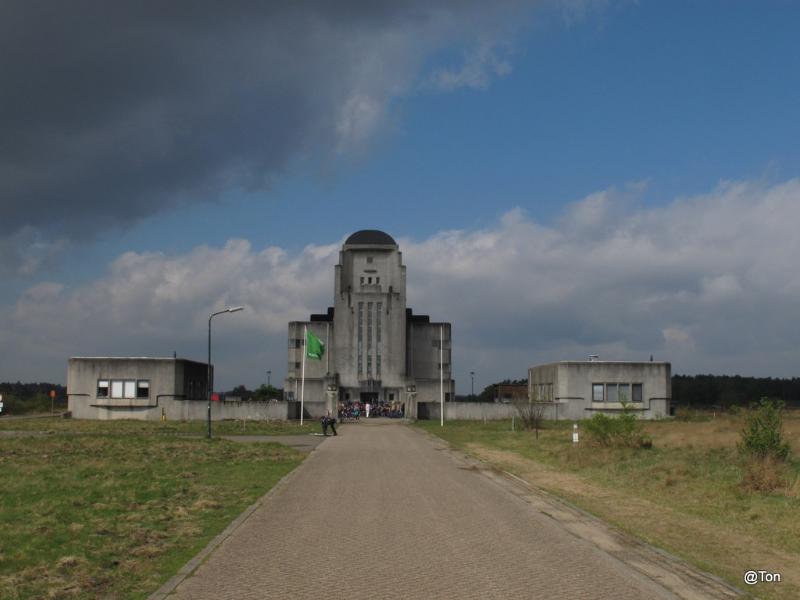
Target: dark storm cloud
x,y
111,111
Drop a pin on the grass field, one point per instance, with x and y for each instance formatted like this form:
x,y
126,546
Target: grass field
x,y
112,510
128,426
684,494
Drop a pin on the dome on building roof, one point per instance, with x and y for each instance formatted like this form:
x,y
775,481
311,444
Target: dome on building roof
x,y
369,237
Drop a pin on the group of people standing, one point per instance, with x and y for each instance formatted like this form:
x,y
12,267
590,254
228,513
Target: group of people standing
x,y
353,411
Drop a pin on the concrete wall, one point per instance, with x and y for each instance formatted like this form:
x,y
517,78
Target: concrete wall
x,y
468,411
572,383
184,410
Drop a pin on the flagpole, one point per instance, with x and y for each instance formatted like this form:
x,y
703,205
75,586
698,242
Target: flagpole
x,y
441,373
303,380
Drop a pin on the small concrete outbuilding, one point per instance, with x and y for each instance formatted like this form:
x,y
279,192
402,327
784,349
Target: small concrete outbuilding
x,y
147,388
579,389
136,388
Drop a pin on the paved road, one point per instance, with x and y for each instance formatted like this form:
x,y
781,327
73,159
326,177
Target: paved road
x,y
381,511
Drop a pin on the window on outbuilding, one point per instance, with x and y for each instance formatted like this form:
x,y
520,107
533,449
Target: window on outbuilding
x,y
130,389
142,388
636,392
116,389
597,392
611,393
102,388
624,392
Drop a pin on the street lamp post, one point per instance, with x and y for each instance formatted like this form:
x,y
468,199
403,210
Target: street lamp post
x,y
209,383
472,385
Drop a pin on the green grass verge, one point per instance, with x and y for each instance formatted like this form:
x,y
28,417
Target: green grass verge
x,y
114,516
130,426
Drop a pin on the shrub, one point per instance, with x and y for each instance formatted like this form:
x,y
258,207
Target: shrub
x,y
765,475
622,431
762,436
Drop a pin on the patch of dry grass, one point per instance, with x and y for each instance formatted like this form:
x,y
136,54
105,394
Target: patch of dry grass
x,y
52,425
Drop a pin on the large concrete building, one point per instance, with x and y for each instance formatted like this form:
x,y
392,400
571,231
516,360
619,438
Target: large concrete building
x,y
580,389
377,349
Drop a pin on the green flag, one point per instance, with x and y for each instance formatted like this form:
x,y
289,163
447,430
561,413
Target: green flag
x,y
314,346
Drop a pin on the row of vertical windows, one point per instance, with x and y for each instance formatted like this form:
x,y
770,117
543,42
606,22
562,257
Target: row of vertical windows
x,y
378,312
617,392
369,339
360,337
373,318
369,280
542,392
123,388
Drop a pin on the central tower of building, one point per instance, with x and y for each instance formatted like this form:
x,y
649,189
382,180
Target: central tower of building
x,y
377,350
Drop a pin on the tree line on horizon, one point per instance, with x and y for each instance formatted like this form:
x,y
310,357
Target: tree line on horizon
x,y
721,391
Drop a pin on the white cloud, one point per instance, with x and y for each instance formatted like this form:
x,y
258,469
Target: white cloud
x,y
481,64
707,282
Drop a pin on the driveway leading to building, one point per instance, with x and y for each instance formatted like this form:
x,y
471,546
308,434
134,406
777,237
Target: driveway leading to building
x,y
385,511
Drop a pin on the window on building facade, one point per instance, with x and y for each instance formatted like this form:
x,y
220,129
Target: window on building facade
x,y
378,311
377,280
611,393
617,392
369,338
123,388
360,337
636,392
543,392
624,392
362,281
391,397
598,390
369,259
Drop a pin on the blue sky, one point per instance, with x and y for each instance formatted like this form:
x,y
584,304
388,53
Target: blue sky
x,y
647,104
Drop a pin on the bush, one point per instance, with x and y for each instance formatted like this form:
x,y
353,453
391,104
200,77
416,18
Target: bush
x,y
765,475
762,436
622,431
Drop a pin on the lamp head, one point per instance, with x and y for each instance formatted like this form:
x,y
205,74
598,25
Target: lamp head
x,y
235,309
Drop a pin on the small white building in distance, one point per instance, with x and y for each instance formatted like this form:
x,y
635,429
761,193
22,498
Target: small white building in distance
x,y
580,389
376,349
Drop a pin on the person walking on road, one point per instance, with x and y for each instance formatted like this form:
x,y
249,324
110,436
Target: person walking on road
x,y
328,421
